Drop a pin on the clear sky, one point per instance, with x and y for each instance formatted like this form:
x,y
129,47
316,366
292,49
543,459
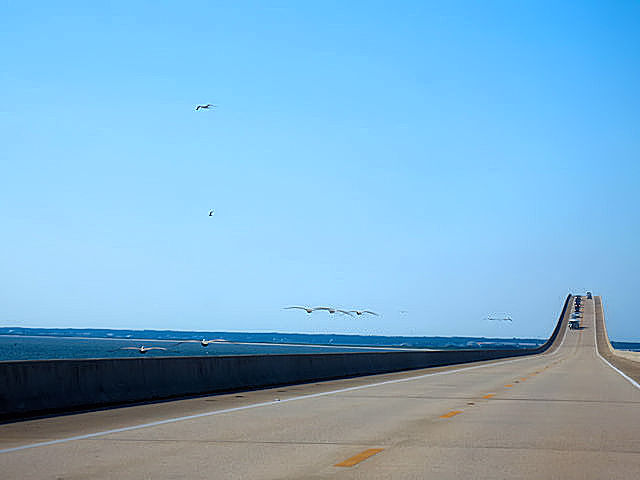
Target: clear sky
x,y
452,159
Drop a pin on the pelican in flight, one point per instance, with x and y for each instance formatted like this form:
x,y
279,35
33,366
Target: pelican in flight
x,y
332,310
205,107
306,309
328,309
142,348
204,342
211,213
360,312
500,319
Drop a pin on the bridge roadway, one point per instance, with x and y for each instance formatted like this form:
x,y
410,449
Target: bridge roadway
x,y
564,414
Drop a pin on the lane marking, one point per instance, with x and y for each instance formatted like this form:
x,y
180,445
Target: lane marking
x,y
509,385
595,337
450,414
350,462
275,402
489,395
523,379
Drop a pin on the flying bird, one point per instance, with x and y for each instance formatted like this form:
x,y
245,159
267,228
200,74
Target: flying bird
x,y
306,309
328,309
142,348
205,107
203,342
500,319
211,213
360,312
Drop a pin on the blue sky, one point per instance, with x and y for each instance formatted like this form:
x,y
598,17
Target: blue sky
x,y
451,159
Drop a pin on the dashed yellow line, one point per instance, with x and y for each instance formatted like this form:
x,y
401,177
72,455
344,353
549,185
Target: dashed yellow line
x,y
350,462
451,414
489,395
509,385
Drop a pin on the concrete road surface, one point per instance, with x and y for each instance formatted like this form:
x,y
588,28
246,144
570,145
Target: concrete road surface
x,y
564,414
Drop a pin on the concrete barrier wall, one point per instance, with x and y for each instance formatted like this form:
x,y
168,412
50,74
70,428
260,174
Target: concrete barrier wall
x,y
41,386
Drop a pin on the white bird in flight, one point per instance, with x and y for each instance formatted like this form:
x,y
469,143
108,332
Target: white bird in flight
x,y
360,312
205,107
143,349
203,342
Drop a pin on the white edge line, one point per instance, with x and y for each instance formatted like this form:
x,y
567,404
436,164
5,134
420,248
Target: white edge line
x,y
595,336
265,404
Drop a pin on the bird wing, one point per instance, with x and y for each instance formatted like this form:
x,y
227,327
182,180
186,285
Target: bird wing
x,y
345,312
156,348
301,308
322,308
129,348
372,313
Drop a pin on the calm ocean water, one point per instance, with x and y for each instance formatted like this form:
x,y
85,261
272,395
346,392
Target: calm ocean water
x,y
40,348
21,343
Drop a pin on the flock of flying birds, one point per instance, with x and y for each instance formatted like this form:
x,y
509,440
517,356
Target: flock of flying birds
x,y
332,310
205,343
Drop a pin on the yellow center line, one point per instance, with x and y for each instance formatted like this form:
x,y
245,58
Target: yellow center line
x,y
489,395
350,462
451,414
509,385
